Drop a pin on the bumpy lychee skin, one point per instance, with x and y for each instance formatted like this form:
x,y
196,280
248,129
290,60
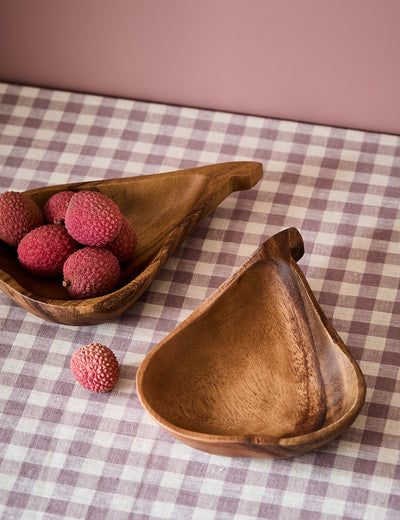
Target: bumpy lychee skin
x,y
18,215
56,207
92,218
123,246
44,250
95,367
91,272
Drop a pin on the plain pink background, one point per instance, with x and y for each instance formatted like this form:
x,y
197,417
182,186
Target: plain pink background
x,y
331,62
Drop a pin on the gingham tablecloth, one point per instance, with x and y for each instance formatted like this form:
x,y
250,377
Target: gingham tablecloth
x,y
67,453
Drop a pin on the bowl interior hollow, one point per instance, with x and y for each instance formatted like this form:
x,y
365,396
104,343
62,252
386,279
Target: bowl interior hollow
x,y
257,361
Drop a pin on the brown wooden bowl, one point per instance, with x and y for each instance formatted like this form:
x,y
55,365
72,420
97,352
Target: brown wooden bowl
x,y
257,370
163,208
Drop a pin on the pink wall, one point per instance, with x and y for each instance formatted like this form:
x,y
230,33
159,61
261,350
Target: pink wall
x,y
331,62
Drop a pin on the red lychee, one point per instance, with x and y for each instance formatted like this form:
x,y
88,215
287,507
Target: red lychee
x,y
55,207
18,215
95,367
91,272
44,250
92,218
123,246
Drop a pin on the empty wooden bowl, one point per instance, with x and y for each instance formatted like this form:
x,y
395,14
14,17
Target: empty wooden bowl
x,y
257,370
163,208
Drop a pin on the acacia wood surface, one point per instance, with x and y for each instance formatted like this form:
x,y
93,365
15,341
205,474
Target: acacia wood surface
x,y
257,370
163,208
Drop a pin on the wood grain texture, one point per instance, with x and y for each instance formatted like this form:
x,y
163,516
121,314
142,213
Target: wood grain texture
x,y
257,370
163,208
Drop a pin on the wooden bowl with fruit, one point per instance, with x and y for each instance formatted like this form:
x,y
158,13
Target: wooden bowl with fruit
x,y
155,213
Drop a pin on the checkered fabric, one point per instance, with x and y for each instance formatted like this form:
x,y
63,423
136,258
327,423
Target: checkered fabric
x,y
67,453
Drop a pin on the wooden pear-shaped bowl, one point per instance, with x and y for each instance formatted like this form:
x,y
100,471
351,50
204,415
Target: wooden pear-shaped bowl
x,y
257,370
163,209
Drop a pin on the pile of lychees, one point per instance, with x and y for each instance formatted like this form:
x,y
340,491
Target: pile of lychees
x,y
81,236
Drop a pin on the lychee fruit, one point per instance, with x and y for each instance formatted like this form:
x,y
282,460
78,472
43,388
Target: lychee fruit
x,y
92,218
95,367
55,207
90,272
44,250
123,246
19,214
